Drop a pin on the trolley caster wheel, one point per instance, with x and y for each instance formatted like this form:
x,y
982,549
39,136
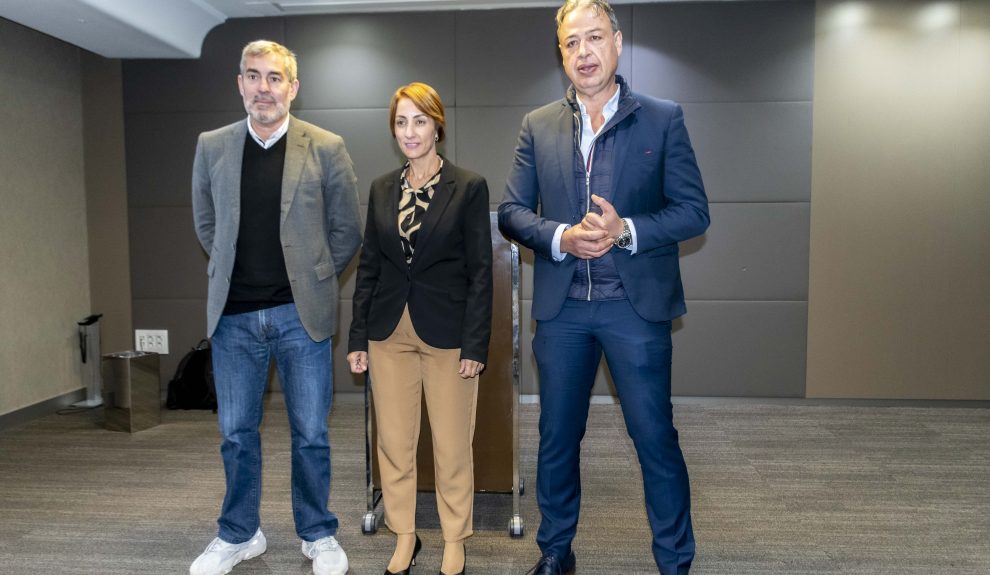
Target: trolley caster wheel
x,y
522,486
515,527
369,523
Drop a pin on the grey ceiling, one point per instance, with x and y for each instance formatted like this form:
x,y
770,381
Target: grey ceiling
x,y
176,28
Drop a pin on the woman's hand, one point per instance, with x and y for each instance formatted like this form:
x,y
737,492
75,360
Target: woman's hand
x,y
469,368
358,360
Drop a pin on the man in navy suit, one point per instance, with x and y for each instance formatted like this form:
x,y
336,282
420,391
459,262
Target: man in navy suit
x,y
603,186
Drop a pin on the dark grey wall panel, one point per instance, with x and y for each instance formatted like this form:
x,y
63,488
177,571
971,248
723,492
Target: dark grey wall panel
x,y
724,51
185,320
348,276
753,152
528,378
369,140
487,141
751,348
357,61
160,151
744,349
526,257
520,66
750,252
765,261
499,69
206,84
166,258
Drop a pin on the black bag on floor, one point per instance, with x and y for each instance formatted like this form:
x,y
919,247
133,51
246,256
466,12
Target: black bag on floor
x,y
192,386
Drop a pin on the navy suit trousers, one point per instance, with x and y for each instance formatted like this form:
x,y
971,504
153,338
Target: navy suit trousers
x,y
568,349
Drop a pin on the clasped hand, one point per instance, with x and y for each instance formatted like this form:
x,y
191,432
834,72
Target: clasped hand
x,y
595,234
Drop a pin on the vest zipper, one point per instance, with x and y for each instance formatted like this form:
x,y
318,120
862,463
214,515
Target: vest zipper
x,y
587,201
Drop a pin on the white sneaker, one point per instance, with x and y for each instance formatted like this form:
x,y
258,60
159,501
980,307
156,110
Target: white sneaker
x,y
327,555
220,556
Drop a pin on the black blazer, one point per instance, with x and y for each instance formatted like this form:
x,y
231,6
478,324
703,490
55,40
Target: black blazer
x,y
448,283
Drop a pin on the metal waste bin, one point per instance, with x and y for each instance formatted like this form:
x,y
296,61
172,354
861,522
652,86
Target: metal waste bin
x,y
89,352
131,391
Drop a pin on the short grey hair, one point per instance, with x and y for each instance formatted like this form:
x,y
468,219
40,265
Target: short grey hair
x,y
265,47
600,6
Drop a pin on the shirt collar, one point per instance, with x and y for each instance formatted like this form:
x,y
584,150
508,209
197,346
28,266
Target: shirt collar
x,y
610,107
273,138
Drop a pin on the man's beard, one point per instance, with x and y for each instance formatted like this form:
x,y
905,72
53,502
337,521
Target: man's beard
x,y
267,117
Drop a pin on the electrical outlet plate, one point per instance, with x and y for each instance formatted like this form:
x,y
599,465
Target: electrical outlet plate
x,y
155,340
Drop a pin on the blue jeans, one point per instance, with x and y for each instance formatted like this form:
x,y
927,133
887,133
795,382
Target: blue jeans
x,y
568,349
243,346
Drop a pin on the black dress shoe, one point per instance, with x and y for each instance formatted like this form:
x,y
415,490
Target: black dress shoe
x,y
408,569
551,565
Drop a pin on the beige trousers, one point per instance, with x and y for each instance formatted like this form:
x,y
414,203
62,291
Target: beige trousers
x,y
403,370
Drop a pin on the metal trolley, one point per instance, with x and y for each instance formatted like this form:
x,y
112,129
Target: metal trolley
x,y
496,438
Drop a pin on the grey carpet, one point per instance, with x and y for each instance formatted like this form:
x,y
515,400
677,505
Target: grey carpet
x,y
777,489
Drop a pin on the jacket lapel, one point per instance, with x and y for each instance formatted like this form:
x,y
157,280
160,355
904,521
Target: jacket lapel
x,y
296,151
627,106
389,221
566,136
438,204
233,154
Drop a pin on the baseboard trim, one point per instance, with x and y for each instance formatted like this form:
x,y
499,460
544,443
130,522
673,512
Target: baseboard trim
x,y
801,401
824,401
40,409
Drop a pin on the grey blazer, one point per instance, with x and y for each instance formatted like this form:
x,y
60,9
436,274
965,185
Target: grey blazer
x,y
320,227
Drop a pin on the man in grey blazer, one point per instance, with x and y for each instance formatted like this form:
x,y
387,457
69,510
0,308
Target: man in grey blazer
x,y
276,208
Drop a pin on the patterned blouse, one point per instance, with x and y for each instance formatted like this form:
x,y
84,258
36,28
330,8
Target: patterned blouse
x,y
412,206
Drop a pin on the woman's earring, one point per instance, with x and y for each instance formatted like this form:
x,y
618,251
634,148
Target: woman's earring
x,y
436,137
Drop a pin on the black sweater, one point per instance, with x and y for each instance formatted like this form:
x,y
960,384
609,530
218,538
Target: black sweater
x,y
259,279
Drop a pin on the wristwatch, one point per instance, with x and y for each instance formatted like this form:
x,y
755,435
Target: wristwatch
x,y
625,238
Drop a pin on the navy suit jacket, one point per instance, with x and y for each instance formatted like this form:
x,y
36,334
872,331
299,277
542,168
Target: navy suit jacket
x,y
658,186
